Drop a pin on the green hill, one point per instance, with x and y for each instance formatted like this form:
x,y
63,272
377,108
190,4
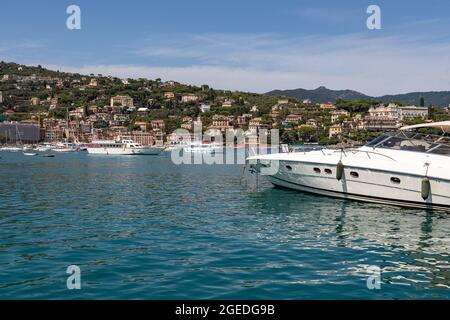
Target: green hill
x,y
322,95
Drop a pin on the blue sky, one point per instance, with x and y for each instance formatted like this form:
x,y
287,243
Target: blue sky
x,y
240,45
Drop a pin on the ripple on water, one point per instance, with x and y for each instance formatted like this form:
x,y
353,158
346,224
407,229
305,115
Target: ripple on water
x,y
141,227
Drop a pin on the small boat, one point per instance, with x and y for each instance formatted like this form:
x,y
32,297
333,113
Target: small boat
x,y
32,154
11,149
65,147
18,146
176,146
208,148
45,147
82,147
48,155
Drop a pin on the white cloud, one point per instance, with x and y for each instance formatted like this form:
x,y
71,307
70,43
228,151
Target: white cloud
x,y
332,15
374,65
30,44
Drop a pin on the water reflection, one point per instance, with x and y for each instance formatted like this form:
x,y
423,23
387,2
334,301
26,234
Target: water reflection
x,y
411,246
145,228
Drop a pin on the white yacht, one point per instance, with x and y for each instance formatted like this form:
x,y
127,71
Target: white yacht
x,y
406,168
208,148
122,147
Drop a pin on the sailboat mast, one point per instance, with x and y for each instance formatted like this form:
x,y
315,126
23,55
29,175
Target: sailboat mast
x,y
18,138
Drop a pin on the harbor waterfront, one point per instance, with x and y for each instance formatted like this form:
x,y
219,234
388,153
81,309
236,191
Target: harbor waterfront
x,y
145,228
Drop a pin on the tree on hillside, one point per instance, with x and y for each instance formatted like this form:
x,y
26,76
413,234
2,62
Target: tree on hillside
x,y
355,106
289,136
306,133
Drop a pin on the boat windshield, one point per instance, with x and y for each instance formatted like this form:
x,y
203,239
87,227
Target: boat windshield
x,y
412,141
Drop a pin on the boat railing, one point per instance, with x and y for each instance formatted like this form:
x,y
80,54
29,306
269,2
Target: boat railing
x,y
367,152
304,150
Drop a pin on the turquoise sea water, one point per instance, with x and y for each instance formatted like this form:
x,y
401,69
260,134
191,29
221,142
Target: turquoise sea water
x,y
143,228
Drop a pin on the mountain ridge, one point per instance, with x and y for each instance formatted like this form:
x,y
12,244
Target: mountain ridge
x,y
323,95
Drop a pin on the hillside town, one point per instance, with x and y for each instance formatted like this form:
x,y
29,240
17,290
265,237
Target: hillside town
x,y
39,105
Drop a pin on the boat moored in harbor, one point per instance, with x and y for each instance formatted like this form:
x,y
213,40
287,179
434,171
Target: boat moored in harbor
x,y
45,147
11,149
122,147
405,168
65,147
208,148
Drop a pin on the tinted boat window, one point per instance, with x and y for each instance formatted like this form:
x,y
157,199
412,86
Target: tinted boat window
x,y
415,145
399,143
413,141
377,140
392,143
444,150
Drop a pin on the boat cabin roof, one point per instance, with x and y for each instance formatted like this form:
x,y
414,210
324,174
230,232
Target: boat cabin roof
x,y
443,125
413,141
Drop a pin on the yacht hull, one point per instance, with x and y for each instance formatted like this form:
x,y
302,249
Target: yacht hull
x,y
126,151
113,151
362,198
66,150
369,185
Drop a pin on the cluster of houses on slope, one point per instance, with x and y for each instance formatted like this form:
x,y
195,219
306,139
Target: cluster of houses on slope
x,y
381,118
113,120
86,123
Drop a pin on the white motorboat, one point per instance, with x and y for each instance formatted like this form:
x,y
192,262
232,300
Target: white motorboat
x,y
45,147
65,147
208,148
405,168
81,147
122,147
11,149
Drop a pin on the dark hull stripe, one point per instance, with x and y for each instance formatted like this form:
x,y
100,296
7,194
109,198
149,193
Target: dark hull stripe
x,y
353,196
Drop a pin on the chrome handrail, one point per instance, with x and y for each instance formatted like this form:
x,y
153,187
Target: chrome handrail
x,y
366,152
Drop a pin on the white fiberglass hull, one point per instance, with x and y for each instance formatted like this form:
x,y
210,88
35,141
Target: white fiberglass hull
x,y
11,149
64,150
203,150
381,196
385,181
126,151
